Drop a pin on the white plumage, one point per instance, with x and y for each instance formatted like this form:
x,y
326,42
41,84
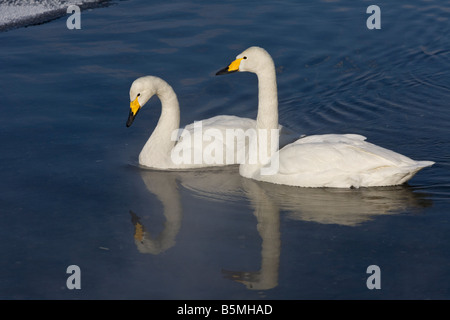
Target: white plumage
x,y
167,142
330,160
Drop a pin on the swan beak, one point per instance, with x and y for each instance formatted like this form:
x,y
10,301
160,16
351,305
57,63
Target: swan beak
x,y
233,67
134,109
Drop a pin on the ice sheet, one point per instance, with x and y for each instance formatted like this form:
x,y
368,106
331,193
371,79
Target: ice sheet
x,y
19,13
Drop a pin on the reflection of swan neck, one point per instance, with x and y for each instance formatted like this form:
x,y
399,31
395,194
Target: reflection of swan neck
x,y
267,98
164,186
268,217
160,142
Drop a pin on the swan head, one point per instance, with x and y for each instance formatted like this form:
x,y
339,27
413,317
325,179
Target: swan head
x,y
253,59
142,89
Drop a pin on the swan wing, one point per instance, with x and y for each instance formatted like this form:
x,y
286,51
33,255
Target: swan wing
x,y
227,122
341,161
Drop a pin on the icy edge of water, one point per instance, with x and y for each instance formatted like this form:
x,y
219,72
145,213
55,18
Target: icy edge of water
x,y
14,15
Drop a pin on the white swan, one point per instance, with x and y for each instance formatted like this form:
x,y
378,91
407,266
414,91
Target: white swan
x,y
331,160
167,138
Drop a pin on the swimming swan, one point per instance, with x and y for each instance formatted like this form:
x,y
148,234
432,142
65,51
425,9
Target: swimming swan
x,y
330,160
168,140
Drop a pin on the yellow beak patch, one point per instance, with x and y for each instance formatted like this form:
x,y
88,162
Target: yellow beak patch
x,y
135,106
234,66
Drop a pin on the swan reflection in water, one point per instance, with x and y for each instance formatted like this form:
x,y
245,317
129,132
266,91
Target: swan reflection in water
x,y
347,207
164,186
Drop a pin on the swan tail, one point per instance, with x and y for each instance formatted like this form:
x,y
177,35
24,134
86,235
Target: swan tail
x,y
406,173
424,164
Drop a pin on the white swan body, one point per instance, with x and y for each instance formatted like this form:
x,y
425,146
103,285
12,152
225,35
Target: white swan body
x,y
167,138
330,160
340,161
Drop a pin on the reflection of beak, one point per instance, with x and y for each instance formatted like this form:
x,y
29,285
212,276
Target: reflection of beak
x,y
138,227
139,232
233,67
134,109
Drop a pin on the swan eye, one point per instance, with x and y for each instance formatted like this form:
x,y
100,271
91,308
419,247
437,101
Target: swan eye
x,y
138,94
245,58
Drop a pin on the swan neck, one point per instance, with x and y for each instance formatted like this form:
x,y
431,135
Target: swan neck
x,y
266,121
160,143
267,117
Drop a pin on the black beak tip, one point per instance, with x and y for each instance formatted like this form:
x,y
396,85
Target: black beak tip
x,y
131,117
223,71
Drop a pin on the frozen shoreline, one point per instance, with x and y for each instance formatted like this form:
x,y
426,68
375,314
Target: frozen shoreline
x,y
19,13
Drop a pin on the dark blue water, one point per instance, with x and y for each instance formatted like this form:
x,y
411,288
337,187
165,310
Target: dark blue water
x,y
73,194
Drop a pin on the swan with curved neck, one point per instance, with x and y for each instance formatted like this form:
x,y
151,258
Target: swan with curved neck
x,y
330,160
167,137
156,150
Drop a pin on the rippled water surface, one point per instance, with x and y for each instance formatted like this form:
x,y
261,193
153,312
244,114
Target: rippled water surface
x,y
73,194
